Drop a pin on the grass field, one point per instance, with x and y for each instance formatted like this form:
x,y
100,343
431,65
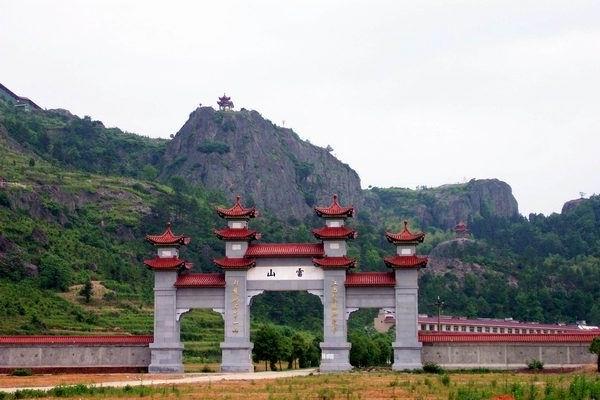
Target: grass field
x,y
362,385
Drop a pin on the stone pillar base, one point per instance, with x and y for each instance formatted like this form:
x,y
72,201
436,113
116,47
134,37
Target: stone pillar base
x,y
406,357
335,357
236,357
165,358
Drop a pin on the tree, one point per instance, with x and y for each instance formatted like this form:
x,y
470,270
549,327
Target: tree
x,y
595,349
149,172
31,162
266,345
54,273
87,291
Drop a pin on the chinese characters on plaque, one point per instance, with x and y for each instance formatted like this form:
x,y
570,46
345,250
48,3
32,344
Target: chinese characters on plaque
x,y
235,303
334,307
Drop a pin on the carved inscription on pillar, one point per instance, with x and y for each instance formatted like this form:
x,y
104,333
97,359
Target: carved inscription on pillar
x,y
334,306
235,306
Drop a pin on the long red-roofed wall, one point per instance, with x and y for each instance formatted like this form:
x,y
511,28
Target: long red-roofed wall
x,y
506,351
81,354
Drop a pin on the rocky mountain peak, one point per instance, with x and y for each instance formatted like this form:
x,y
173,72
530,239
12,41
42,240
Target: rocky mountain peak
x,y
240,152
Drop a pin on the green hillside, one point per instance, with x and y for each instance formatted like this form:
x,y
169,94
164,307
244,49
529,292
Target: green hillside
x,y
80,197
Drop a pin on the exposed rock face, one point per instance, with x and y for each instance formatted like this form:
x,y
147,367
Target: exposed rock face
x,y
446,205
571,205
457,248
271,167
448,258
478,197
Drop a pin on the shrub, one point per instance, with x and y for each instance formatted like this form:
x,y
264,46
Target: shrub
x,y
54,273
22,372
445,380
433,368
535,365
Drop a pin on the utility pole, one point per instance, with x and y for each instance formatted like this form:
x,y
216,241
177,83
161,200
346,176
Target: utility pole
x,y
439,304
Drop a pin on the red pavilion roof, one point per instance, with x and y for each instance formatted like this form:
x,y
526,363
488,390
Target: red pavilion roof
x,y
237,234
285,250
405,261
373,279
328,232
334,262
405,236
461,227
234,263
225,101
335,210
200,280
237,211
168,238
167,263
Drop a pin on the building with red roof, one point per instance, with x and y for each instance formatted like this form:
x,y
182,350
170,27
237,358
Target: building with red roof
x,y
461,230
406,243
225,103
168,244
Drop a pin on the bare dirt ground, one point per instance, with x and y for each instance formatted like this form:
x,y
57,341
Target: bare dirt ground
x,y
45,382
306,384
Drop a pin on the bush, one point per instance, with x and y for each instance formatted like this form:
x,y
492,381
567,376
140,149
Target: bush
x,y
445,380
535,365
433,368
22,372
54,273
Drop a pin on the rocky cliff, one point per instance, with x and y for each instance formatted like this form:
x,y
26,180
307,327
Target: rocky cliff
x,y
446,205
240,152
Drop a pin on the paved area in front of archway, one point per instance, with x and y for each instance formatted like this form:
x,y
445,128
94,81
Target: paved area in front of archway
x,y
10,384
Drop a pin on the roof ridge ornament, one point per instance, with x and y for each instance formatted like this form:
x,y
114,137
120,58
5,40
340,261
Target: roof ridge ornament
x,y
168,238
335,210
237,211
405,236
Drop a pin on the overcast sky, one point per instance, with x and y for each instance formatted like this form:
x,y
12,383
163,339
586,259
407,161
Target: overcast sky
x,y
407,93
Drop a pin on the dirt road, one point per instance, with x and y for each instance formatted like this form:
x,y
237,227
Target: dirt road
x,y
156,379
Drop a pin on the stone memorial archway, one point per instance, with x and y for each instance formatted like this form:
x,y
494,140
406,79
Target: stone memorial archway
x,y
250,267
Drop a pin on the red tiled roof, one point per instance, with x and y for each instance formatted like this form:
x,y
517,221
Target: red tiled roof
x,y
364,279
461,227
335,210
234,263
167,238
495,322
200,280
327,232
69,340
285,250
237,211
237,234
405,261
427,337
405,236
334,262
167,263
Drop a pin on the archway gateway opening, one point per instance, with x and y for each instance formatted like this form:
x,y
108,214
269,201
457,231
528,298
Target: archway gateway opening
x,y
287,327
250,268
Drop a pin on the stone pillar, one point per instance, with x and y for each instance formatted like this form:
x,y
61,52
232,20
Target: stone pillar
x,y
407,348
335,349
166,348
236,349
